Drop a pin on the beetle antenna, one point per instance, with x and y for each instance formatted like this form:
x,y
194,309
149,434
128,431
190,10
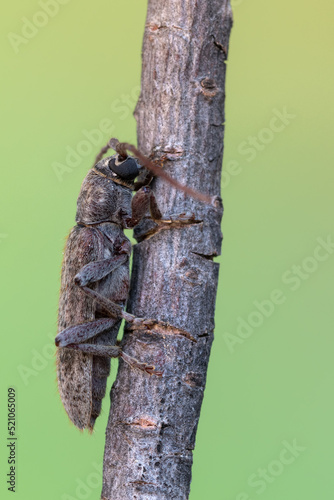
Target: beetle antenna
x,y
122,147
150,165
102,152
116,146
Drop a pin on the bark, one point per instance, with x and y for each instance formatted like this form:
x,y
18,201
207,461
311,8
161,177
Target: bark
x,y
152,425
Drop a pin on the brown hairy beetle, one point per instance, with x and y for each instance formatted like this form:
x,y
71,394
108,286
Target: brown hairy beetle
x,y
95,278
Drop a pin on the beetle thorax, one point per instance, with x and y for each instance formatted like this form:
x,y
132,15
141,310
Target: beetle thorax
x,y
101,200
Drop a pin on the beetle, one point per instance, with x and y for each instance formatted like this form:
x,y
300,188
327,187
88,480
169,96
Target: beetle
x,y
95,278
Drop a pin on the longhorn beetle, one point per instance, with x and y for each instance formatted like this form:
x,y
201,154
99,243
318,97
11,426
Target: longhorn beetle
x,y
95,277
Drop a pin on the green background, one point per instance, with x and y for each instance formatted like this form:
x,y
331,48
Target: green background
x,y
271,386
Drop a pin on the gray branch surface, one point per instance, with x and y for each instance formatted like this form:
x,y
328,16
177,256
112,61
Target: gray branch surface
x,y
153,420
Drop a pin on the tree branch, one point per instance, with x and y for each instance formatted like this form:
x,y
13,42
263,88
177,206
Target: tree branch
x,y
180,115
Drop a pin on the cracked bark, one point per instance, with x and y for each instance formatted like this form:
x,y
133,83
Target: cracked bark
x,y
152,425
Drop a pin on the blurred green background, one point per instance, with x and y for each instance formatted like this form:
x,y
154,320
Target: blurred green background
x,y
266,427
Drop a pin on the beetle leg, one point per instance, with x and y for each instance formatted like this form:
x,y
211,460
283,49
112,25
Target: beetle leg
x,y
178,219
95,271
80,333
145,199
112,351
142,201
157,217
148,325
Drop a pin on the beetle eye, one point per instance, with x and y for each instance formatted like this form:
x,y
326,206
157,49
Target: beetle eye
x,y
126,169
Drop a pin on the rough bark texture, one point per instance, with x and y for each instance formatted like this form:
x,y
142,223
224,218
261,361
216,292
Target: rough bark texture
x,y
180,114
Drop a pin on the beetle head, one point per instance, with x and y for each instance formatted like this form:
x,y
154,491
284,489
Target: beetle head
x,y
121,170
126,168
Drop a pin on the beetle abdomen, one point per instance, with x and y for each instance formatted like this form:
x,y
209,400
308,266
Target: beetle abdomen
x,y
74,368
82,377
